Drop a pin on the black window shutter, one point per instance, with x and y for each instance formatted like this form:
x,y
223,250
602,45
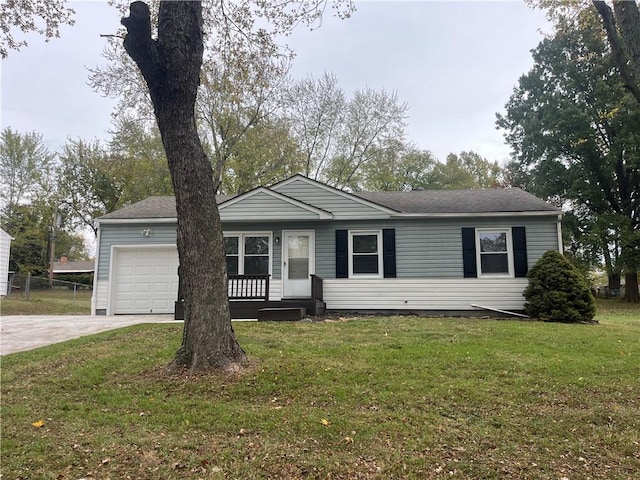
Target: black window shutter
x,y
519,238
469,252
389,252
342,254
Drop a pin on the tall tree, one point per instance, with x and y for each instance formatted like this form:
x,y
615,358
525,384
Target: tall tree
x,y
27,169
238,94
573,128
339,136
244,71
267,154
170,65
316,109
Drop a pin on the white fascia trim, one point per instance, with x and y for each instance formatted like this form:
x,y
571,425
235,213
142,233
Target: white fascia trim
x,y
163,220
476,214
336,191
322,214
94,293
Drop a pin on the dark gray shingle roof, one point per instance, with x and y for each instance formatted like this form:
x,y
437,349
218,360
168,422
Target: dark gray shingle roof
x,y
152,207
493,200
497,200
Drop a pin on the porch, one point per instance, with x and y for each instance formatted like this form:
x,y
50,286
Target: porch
x,y
249,298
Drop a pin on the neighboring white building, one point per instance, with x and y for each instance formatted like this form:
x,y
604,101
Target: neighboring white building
x,y
5,248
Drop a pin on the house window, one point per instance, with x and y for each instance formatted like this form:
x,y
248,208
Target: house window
x,y
365,253
232,253
248,253
495,253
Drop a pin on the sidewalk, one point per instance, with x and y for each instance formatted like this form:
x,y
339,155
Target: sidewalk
x,y
25,332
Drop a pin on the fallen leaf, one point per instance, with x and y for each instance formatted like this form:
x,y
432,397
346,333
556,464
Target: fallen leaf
x,y
324,422
38,424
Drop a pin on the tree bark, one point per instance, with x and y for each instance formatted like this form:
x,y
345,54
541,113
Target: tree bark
x,y
171,66
614,283
628,20
616,44
631,292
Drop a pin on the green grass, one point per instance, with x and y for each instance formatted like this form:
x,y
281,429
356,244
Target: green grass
x,y
58,301
614,310
393,397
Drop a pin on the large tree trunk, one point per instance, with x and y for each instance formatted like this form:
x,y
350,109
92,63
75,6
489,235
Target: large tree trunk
x,y
631,292
626,15
628,19
170,66
615,282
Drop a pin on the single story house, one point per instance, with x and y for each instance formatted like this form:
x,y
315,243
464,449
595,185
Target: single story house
x,y
436,251
5,249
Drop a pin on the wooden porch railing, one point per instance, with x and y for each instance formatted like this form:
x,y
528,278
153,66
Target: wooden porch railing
x,y
248,287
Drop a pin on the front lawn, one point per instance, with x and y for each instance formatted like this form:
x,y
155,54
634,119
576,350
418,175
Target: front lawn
x,y
393,397
45,301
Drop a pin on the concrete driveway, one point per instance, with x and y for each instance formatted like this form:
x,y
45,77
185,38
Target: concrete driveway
x,y
25,332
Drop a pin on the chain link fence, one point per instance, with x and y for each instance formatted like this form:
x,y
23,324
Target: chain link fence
x,y
32,287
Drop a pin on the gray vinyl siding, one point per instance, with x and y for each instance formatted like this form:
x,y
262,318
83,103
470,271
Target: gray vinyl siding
x,y
342,207
432,248
425,248
262,205
130,234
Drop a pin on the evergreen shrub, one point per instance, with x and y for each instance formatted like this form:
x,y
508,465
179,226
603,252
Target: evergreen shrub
x,y
557,292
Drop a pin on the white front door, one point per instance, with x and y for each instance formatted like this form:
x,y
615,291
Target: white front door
x,y
298,263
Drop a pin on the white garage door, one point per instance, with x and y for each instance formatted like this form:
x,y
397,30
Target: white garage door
x,y
145,280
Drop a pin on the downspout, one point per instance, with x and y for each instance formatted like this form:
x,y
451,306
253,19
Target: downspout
x,y
95,271
559,227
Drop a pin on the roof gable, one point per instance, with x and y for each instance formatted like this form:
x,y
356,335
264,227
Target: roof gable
x,y
264,204
343,205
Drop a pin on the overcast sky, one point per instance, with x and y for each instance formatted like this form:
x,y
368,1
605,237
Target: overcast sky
x,y
454,63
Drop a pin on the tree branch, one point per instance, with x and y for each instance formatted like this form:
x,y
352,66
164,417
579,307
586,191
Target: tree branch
x,y
628,18
139,44
609,24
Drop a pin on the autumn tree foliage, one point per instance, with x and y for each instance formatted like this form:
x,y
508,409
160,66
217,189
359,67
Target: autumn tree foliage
x,y
572,125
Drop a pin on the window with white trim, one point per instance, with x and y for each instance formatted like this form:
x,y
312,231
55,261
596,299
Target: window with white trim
x,y
365,253
495,252
248,253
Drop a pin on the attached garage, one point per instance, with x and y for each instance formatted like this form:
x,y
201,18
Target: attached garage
x,y
145,279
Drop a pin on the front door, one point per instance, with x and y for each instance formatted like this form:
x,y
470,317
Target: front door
x,y
298,263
